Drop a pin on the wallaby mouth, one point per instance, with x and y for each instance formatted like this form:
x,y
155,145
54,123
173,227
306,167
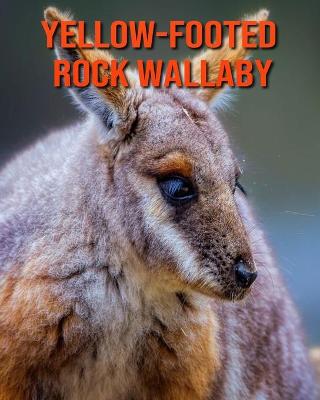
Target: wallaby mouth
x,y
236,294
229,281
234,288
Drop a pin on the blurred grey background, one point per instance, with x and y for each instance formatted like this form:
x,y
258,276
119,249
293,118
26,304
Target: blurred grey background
x,y
275,130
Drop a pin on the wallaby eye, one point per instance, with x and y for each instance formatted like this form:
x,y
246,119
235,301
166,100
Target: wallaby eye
x,y
177,190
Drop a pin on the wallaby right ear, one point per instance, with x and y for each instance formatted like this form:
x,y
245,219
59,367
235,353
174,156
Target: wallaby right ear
x,y
213,57
110,104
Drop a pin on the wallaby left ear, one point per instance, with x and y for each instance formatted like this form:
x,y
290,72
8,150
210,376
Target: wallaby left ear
x,y
112,105
213,57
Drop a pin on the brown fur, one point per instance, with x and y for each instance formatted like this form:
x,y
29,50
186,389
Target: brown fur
x,y
109,292
173,163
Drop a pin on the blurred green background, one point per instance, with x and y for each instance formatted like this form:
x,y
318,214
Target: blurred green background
x,y
275,130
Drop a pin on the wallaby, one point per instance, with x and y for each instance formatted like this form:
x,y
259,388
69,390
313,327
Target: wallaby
x,y
128,255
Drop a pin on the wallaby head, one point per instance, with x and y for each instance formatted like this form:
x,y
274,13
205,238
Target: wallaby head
x,y
173,175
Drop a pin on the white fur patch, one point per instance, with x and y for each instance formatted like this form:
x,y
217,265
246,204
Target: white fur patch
x,y
224,99
170,238
235,387
260,396
187,114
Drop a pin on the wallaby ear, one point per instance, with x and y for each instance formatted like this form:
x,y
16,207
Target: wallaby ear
x,y
213,57
112,105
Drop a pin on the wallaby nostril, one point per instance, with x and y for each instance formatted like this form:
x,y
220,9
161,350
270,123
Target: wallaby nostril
x,y
244,277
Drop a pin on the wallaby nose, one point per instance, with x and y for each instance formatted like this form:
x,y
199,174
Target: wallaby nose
x,y
244,277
